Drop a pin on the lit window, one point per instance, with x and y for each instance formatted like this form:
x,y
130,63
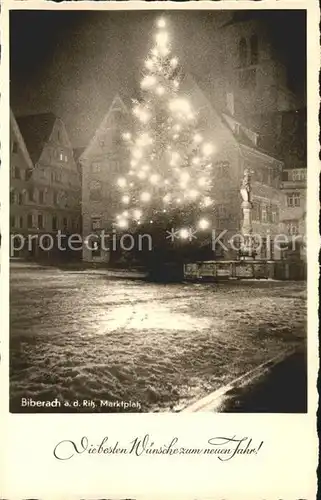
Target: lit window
x,y
95,223
293,199
221,211
263,213
293,227
96,167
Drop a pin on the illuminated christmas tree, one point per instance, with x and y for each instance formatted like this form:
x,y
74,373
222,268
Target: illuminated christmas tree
x,y
168,184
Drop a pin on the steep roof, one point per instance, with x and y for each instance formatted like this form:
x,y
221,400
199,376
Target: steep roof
x,y
36,130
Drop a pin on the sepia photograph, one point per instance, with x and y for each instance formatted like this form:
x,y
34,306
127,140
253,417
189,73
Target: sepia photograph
x,y
158,179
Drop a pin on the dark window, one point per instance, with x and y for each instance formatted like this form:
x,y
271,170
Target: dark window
x,y
12,221
17,173
20,198
242,52
96,247
12,197
55,198
28,174
30,195
41,197
254,49
29,220
21,222
256,211
222,169
54,223
247,78
65,222
40,221
15,147
95,191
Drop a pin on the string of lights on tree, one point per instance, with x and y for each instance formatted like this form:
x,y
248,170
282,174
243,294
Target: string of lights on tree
x,y
170,171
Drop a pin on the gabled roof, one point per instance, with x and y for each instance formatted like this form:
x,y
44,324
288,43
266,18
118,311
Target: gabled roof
x,y
16,131
36,130
116,106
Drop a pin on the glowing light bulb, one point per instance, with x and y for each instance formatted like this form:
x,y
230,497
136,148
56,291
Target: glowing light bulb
x,y
176,84
144,116
127,136
149,63
154,178
167,198
145,167
198,138
208,149
137,214
148,82
125,199
131,184
196,160
177,127
151,221
184,233
121,182
141,175
161,39
160,90
180,105
203,224
161,23
207,202
178,200
174,158
125,213
133,163
174,62
137,153
202,181
193,193
123,223
145,196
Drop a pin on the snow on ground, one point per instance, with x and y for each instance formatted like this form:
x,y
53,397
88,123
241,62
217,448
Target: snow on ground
x,y
87,336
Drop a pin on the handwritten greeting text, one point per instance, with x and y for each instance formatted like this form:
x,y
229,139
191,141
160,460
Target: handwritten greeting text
x,y
224,448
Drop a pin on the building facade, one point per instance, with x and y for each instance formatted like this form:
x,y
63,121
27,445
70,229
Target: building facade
x,y
45,186
102,161
293,216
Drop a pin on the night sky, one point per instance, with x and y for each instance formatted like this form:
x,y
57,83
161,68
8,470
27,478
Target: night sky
x,y
74,62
